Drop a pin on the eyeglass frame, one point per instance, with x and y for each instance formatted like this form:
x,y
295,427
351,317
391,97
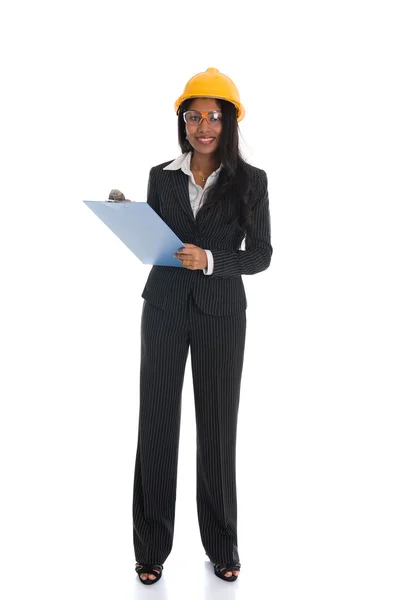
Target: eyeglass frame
x,y
203,114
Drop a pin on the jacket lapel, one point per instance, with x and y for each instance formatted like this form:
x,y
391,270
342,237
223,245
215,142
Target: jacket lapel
x,y
181,190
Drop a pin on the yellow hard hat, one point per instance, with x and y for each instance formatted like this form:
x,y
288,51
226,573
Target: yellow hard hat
x,y
212,84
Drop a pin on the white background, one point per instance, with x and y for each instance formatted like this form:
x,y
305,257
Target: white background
x,y
87,105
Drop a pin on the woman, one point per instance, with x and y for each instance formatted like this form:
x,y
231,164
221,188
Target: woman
x,y
201,305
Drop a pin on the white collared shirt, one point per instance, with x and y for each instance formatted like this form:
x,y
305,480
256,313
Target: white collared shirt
x,y
196,193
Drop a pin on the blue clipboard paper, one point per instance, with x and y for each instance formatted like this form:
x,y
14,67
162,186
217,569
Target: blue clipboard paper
x,y
141,229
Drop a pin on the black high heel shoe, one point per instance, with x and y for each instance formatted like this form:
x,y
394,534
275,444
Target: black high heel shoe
x,y
220,569
143,568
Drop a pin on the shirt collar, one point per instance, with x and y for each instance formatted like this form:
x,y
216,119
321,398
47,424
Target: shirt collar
x,y
183,162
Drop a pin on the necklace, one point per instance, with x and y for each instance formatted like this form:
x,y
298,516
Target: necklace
x,y
203,179
200,175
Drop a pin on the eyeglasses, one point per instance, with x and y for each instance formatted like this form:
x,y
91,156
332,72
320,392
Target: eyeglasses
x,y
195,117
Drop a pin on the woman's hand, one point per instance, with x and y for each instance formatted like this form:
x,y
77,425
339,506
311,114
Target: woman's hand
x,y
192,257
118,196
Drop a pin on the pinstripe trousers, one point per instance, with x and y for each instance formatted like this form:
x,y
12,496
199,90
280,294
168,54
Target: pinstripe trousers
x,y
217,350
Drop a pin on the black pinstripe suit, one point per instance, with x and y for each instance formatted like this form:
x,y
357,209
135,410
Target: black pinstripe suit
x,y
182,308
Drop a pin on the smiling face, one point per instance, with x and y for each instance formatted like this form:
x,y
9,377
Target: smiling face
x,y
199,135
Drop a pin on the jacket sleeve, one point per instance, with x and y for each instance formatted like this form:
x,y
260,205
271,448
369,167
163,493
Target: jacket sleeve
x,y
231,263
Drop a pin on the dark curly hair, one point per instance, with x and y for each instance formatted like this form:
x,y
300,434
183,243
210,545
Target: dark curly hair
x,y
232,188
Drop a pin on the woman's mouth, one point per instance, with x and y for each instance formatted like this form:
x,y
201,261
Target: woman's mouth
x,y
205,140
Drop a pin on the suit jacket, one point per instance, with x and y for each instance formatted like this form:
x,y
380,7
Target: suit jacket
x,y
222,292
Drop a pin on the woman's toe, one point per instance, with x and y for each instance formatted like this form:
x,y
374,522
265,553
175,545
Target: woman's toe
x,y
229,573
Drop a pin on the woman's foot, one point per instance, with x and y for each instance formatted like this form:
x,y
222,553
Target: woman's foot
x,y
228,572
145,576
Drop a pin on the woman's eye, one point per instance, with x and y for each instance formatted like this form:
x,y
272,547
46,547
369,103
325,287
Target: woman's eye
x,y
215,118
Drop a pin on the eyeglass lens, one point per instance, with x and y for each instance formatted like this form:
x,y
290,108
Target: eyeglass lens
x,y
192,117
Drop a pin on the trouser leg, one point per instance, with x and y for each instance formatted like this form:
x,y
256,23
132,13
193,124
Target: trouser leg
x,y
217,351
164,350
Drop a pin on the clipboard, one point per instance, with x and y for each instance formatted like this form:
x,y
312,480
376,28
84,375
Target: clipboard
x,y
141,229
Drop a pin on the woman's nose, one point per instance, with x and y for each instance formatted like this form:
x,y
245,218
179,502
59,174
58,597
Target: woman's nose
x,y
204,125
